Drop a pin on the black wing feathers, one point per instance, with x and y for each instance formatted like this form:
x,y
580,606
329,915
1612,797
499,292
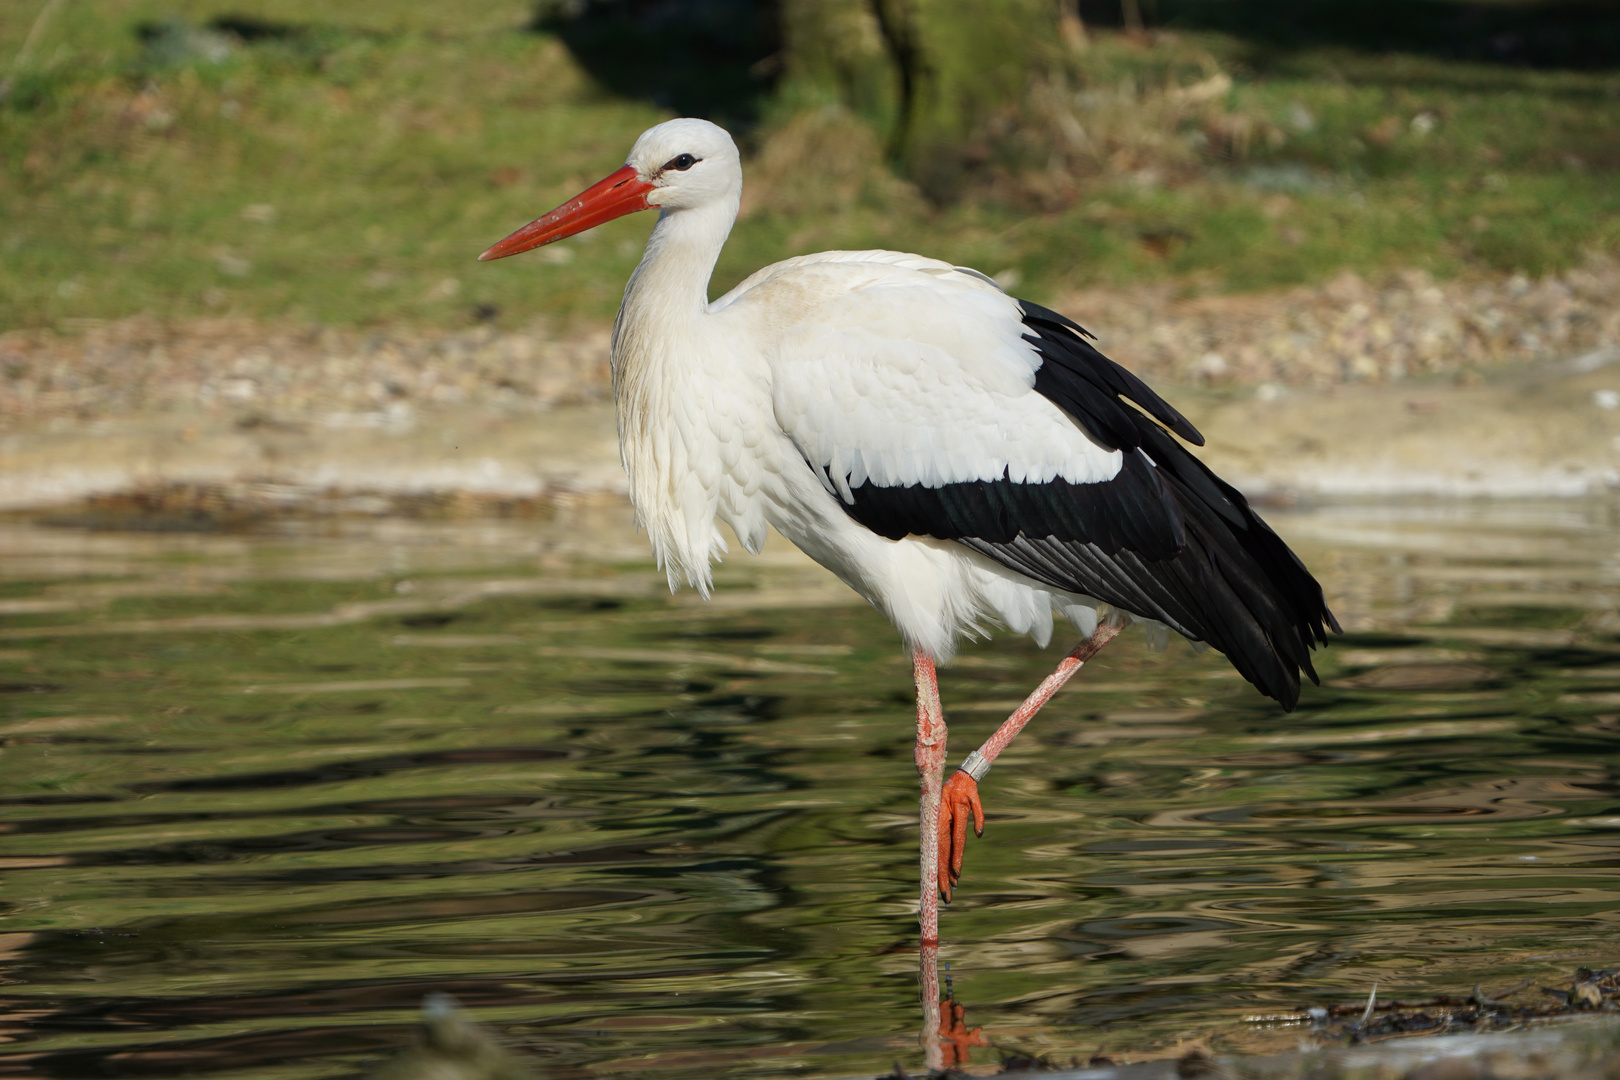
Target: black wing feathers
x,y
1165,538
1132,511
1088,385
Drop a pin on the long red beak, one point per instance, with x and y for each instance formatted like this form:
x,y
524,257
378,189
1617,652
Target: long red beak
x,y
623,193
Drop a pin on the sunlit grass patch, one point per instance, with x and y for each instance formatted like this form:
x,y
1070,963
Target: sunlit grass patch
x,y
346,165
345,178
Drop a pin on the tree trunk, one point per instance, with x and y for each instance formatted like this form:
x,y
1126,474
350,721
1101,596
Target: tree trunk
x,y
1132,13
1070,26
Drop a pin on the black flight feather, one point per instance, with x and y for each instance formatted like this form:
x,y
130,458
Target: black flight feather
x,y
1088,385
1165,538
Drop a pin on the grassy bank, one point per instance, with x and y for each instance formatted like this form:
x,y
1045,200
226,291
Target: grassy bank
x,y
344,164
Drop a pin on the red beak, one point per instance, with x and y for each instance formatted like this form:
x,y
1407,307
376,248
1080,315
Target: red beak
x,y
623,193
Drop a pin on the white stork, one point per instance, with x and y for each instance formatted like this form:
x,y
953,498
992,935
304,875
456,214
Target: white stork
x,y
956,456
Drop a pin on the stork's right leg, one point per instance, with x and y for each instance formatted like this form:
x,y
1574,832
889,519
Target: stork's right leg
x,y
930,757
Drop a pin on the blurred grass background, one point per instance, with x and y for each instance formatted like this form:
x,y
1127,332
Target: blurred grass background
x,y
343,164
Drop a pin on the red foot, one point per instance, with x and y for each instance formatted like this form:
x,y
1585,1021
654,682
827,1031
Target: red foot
x,y
959,797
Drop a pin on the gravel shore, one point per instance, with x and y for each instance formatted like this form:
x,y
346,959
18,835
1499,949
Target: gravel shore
x,y
236,366
1404,387
1355,331
1348,331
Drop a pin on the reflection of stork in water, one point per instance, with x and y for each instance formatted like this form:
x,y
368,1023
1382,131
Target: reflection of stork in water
x,y
956,456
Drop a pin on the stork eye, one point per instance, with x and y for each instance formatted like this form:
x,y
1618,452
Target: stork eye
x,y
681,162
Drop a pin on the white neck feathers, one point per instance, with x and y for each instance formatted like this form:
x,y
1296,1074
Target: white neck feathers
x,y
662,356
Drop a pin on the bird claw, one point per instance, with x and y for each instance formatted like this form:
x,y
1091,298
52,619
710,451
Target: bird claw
x,y
957,800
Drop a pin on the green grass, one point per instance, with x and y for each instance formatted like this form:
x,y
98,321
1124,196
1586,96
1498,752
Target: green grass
x,y
349,174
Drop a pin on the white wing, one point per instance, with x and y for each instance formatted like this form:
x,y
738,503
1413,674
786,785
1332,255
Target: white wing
x,y
898,370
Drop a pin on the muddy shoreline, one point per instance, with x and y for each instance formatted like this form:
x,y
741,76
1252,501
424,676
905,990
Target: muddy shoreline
x,y
1403,388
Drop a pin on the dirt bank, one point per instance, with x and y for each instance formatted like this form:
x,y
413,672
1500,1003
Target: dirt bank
x,y
1504,387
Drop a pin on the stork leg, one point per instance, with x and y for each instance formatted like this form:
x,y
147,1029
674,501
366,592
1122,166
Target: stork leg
x,y
930,757
960,797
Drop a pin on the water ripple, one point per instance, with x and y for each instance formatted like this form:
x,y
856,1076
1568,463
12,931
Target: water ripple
x,y
638,831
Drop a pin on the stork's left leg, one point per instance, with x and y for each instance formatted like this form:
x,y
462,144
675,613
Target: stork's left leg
x,y
960,797
930,757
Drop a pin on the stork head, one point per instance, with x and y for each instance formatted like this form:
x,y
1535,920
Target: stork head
x,y
688,162
677,165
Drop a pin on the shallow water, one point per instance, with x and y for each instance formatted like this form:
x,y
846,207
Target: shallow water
x,y
260,794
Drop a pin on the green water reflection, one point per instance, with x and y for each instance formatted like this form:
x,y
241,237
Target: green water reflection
x,y
263,793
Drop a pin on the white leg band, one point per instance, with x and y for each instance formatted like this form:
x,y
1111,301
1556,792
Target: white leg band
x,y
975,766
